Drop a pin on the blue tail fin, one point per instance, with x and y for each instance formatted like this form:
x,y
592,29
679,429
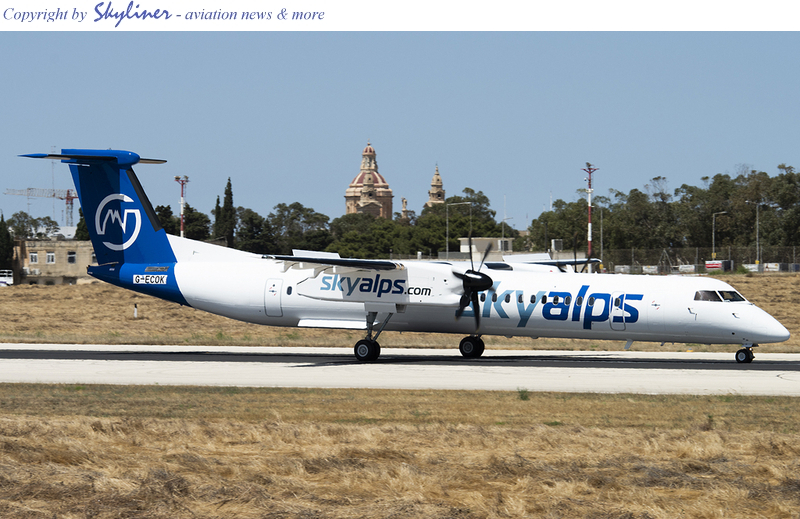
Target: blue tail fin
x,y
128,240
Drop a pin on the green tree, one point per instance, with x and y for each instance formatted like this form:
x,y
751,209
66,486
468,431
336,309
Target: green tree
x,y
216,213
6,245
196,225
465,215
299,227
785,193
358,222
170,222
381,238
81,231
253,233
225,217
567,222
46,227
23,225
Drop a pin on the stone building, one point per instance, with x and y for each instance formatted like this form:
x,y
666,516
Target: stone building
x,y
52,262
436,194
369,192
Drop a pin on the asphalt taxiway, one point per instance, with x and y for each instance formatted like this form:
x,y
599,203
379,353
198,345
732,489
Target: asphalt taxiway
x,y
562,371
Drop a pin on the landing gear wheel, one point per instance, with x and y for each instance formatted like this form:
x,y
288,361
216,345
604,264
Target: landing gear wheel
x,y
745,355
367,350
471,347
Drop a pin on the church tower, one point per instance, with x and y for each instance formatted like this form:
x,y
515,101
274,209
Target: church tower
x,y
369,192
368,204
436,194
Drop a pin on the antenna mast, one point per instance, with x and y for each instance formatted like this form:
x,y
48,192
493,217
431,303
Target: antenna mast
x,y
589,169
182,181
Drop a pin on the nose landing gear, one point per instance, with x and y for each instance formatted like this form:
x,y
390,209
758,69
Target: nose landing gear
x,y
745,355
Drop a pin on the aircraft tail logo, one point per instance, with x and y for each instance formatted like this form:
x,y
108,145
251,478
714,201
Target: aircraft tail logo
x,y
113,216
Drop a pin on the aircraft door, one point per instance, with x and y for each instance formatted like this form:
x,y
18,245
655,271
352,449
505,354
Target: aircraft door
x,y
617,314
272,297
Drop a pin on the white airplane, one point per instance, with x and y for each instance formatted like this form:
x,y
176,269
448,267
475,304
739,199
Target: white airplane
x,y
322,290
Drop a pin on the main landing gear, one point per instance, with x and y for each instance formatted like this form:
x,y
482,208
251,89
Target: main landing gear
x,y
368,349
745,355
471,347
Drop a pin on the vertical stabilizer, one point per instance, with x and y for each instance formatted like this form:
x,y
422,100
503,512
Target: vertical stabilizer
x,y
128,240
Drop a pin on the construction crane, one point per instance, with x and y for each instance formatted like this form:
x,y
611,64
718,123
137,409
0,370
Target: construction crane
x,y
62,194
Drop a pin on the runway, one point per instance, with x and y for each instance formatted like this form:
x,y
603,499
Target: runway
x,y
561,371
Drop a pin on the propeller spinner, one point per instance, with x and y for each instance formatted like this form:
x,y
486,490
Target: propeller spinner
x,y
474,281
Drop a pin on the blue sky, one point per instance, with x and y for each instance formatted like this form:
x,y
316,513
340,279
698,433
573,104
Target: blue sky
x,y
286,115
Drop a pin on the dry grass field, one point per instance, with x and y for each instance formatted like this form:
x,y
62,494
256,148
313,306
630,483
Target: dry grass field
x,y
150,452
70,451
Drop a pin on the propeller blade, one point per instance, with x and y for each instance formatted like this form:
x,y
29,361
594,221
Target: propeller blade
x,y
474,281
476,310
471,264
462,305
485,254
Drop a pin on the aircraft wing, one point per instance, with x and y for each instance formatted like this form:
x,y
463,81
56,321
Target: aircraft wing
x,y
544,260
559,263
322,263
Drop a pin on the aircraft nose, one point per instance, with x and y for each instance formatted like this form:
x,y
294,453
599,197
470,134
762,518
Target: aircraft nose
x,y
770,330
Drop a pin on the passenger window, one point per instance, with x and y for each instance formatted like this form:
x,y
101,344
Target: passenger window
x,y
706,295
568,300
617,302
590,301
579,301
494,297
289,291
544,299
533,300
508,298
519,299
483,297
555,300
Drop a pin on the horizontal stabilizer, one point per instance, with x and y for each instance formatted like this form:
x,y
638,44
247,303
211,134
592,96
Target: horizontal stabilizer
x,y
123,158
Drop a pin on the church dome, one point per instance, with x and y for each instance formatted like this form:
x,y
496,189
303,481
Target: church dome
x,y
377,179
378,190
368,162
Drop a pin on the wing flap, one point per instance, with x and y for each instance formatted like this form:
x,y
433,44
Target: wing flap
x,y
332,323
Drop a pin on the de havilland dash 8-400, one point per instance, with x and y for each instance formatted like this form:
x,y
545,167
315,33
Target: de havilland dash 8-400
x,y
321,290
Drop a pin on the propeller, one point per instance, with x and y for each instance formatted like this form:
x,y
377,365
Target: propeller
x,y
474,281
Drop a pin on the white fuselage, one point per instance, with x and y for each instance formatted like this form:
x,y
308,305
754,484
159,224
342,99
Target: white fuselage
x,y
526,300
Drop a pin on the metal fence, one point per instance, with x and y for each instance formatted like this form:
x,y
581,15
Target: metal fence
x,y
680,260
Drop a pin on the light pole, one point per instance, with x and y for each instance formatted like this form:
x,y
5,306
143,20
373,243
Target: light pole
x,y
502,224
182,181
758,248
714,233
503,232
589,169
447,225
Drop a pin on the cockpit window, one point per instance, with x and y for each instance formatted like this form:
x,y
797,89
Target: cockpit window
x,y
706,295
731,295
